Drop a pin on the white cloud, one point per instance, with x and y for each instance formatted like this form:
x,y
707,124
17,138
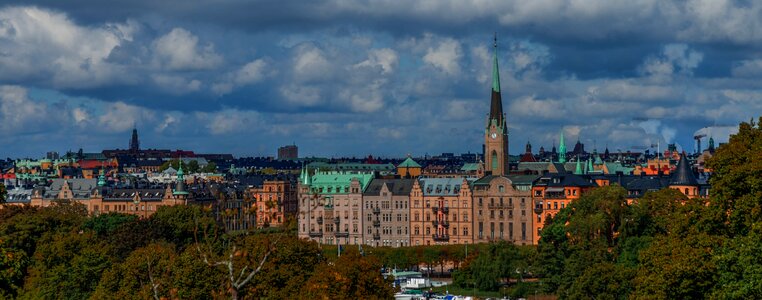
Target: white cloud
x,y
385,58
250,73
675,59
301,95
230,121
445,56
179,50
120,116
46,46
310,64
176,85
21,114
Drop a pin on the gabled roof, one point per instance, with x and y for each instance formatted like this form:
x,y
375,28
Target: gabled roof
x,y
408,163
398,187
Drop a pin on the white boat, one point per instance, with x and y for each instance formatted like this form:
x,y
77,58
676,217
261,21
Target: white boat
x,y
416,283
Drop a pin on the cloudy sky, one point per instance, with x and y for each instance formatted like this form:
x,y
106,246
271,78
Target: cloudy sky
x,y
381,77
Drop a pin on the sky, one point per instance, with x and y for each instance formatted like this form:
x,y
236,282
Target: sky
x,y
387,78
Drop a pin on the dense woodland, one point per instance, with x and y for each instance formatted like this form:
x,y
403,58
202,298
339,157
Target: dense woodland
x,y
665,246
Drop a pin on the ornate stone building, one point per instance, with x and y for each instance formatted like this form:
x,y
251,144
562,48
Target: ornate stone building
x,y
386,209
330,206
503,209
441,211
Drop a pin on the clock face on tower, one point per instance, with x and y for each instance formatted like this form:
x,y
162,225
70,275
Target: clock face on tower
x,y
493,135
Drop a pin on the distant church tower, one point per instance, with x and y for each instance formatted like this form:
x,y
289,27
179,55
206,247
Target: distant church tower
x,y
134,143
496,133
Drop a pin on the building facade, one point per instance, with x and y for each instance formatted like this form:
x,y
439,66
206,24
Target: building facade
x,y
330,206
386,212
275,201
441,211
503,209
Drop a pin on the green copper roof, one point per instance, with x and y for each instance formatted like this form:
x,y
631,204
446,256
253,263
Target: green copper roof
x,y
336,182
408,163
495,71
101,179
578,170
589,165
470,167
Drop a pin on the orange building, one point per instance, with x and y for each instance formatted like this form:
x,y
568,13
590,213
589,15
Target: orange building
x,y
441,211
553,192
409,168
275,201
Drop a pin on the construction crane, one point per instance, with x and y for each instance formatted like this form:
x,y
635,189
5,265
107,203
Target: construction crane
x,y
698,138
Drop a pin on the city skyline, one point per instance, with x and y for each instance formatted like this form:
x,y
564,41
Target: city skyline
x,y
405,81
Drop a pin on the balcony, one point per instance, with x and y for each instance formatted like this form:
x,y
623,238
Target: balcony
x,y
337,220
376,210
446,224
435,223
328,206
538,209
320,220
435,209
376,223
316,234
376,236
446,209
441,237
342,234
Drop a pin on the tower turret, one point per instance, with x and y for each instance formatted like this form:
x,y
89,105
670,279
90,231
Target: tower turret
x,y
562,149
180,187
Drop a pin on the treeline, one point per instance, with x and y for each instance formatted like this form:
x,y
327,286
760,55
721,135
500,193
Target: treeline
x,y
665,246
59,252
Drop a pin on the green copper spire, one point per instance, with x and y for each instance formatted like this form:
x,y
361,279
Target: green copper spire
x,y
102,178
180,187
562,149
578,171
180,172
495,71
589,165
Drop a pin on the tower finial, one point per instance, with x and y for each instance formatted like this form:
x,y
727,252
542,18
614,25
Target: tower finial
x,y
495,39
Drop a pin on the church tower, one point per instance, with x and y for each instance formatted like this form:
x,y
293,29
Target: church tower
x,y
134,142
496,133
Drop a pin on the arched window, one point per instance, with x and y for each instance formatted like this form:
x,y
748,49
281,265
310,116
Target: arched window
x,y
494,160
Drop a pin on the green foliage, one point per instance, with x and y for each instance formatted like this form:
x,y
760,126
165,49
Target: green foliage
x,y
66,265
105,224
3,193
737,181
351,276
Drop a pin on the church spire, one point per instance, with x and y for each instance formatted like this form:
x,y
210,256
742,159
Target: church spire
x,y
495,71
134,142
562,149
578,170
496,106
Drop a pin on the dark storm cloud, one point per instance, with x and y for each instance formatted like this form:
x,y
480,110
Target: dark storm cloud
x,y
369,76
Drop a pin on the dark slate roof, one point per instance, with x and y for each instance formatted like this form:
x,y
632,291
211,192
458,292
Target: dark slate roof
x,y
523,179
129,194
398,187
683,175
563,180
